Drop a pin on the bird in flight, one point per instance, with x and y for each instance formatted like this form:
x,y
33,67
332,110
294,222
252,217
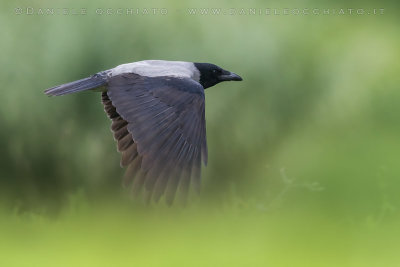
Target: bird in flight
x,y
157,110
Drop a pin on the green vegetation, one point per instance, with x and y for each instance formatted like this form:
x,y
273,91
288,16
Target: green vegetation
x,y
304,154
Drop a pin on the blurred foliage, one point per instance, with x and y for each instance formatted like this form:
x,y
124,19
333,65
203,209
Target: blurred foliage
x,y
304,154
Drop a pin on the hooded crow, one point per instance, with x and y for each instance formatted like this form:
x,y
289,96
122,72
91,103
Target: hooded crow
x,y
158,120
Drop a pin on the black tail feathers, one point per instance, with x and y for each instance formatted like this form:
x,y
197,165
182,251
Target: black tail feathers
x,y
92,82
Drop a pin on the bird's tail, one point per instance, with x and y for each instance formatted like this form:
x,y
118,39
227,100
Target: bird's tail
x,y
92,82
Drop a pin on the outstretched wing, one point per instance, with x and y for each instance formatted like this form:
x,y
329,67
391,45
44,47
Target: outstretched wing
x,y
159,123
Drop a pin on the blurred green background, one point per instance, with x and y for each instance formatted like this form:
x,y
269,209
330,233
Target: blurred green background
x,y
304,154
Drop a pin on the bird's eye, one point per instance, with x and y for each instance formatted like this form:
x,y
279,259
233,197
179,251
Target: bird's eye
x,y
216,71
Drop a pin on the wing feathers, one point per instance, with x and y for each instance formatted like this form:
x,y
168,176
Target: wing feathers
x,y
125,142
128,155
160,130
118,124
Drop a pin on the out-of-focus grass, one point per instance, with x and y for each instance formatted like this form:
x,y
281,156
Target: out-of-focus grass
x,y
113,235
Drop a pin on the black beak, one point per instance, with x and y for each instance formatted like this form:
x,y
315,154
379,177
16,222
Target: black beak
x,y
229,76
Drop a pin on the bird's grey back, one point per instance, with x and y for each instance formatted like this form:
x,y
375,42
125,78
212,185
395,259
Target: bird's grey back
x,y
146,68
156,68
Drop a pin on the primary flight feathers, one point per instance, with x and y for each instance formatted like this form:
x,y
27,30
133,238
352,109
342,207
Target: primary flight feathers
x,y
158,120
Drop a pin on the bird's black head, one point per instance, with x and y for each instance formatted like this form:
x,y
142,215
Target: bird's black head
x,y
211,74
